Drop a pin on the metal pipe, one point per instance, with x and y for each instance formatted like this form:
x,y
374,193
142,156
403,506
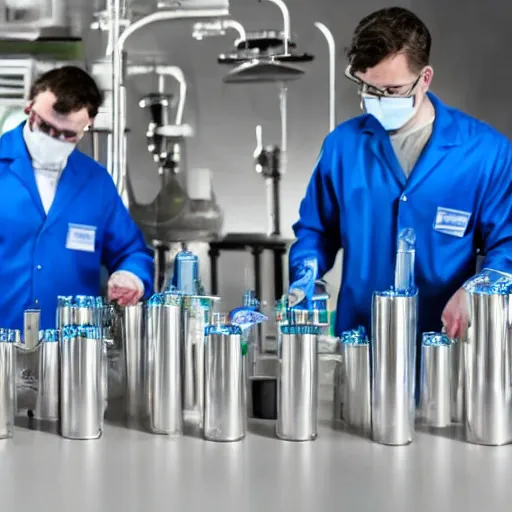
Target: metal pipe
x,y
179,76
119,110
332,72
283,104
286,22
236,25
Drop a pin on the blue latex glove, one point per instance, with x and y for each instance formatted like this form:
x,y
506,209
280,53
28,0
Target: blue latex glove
x,y
302,289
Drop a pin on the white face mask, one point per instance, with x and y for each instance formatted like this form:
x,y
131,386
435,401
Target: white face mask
x,y
392,113
46,152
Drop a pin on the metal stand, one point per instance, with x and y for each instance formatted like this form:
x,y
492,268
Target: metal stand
x,y
256,244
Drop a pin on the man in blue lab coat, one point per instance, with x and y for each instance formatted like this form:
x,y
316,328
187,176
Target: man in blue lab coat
x,y
408,162
60,214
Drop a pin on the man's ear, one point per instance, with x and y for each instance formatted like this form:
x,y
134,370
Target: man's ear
x,y
28,108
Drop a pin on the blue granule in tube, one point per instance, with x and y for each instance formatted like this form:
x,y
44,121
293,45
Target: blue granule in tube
x,y
355,337
435,339
226,329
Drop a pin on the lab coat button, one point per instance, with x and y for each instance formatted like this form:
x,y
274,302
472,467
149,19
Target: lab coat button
x,y
39,267
36,302
403,198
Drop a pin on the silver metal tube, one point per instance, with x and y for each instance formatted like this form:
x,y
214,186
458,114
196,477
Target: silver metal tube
x,y
487,370
134,345
355,395
286,22
119,107
332,72
48,393
435,385
297,387
225,409
457,383
166,414
394,321
82,387
7,389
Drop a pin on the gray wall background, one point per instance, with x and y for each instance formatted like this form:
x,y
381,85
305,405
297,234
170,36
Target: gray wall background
x,y
471,59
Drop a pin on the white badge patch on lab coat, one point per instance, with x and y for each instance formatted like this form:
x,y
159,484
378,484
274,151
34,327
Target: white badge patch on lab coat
x,y
81,238
452,222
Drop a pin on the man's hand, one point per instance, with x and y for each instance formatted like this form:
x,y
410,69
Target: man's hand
x,y
125,288
455,316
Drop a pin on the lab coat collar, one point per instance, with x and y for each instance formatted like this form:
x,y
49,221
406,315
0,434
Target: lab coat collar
x,y
445,133
73,178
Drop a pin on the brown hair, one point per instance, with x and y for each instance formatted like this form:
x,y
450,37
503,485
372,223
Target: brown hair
x,y
388,32
74,88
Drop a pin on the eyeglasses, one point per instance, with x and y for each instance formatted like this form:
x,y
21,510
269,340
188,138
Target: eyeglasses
x,y
392,91
51,130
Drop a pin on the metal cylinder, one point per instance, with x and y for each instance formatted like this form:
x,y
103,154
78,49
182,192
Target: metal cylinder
x,y
197,314
487,370
297,387
134,345
225,409
7,387
435,380
82,384
457,383
48,393
355,392
394,325
165,401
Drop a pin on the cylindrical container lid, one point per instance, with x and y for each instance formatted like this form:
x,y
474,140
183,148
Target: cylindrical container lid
x,y
10,335
392,293
300,329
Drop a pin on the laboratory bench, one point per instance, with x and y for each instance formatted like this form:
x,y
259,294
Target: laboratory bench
x,y
131,470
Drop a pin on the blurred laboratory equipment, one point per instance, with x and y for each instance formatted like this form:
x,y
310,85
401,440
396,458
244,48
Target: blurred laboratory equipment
x,y
225,409
82,385
297,385
7,382
135,357
48,392
435,381
352,385
488,362
185,209
164,364
394,326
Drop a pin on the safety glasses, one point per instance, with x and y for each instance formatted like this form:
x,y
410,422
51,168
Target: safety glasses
x,y
46,127
403,90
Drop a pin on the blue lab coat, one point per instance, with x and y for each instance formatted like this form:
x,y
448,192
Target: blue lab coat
x,y
35,265
358,198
